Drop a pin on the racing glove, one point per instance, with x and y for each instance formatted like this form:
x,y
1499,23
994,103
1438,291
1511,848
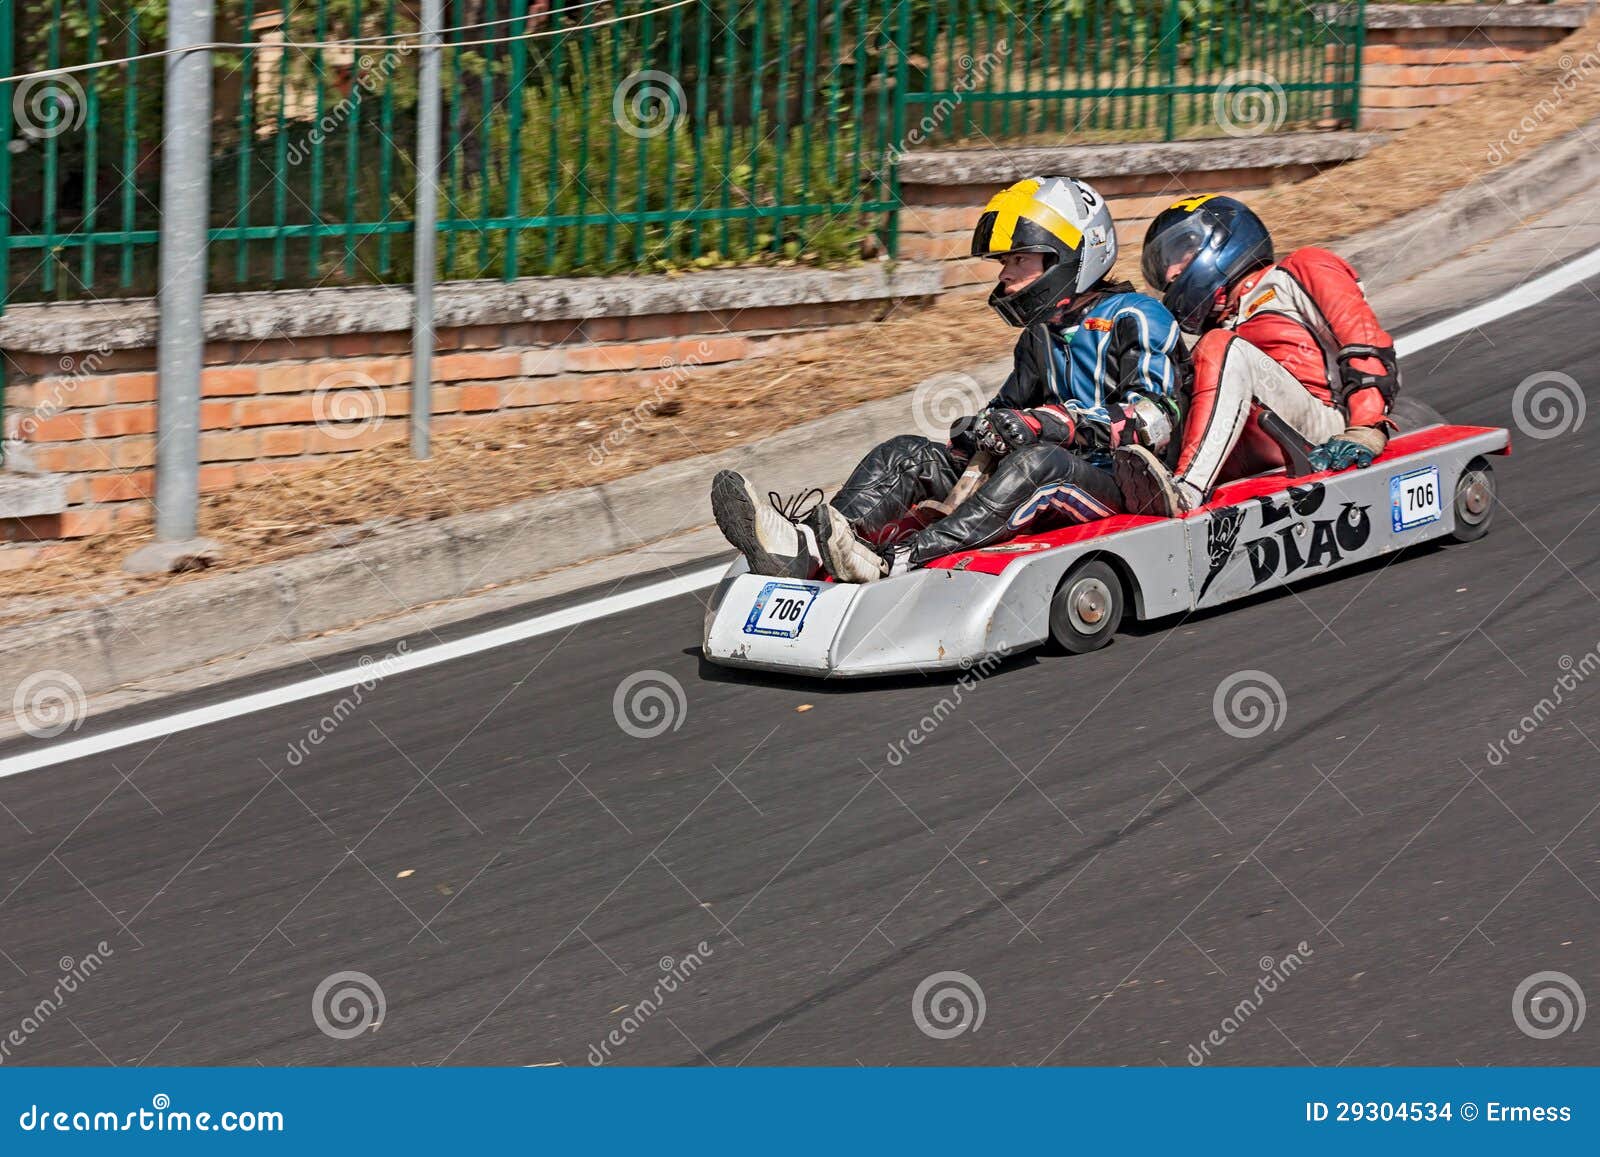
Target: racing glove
x,y
1138,420
1002,431
963,439
1357,446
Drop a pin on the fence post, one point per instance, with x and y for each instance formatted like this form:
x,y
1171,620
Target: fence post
x,y
1170,24
185,217
6,97
423,236
1355,71
902,78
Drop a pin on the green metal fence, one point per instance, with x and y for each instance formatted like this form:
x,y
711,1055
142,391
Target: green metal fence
x,y
594,136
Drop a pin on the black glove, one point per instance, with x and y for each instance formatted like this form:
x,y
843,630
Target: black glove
x,y
1002,431
964,436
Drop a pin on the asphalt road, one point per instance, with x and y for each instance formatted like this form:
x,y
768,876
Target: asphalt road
x,y
1076,835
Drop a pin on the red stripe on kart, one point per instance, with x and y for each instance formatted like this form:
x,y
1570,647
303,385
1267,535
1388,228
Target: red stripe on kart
x,y
994,559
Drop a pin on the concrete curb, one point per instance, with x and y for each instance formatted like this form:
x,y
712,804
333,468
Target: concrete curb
x,y
232,614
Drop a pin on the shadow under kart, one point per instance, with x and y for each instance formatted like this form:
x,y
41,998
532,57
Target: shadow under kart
x,y
1074,585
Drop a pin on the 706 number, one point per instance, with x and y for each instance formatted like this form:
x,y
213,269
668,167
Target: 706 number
x,y
786,610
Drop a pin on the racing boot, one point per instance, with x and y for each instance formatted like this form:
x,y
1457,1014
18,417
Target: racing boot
x,y
846,556
768,533
1148,487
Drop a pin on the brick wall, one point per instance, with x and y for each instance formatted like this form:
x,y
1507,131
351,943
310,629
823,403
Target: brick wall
x,y
1421,57
288,404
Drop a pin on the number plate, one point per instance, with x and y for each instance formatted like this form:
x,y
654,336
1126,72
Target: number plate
x,y
1415,499
780,610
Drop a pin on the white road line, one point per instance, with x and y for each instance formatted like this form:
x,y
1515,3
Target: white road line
x,y
352,676
1538,290
1541,288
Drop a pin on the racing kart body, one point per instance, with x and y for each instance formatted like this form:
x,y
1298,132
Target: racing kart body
x,y
1073,585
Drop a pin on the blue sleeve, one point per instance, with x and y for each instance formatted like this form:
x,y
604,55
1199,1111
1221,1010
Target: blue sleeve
x,y
1144,351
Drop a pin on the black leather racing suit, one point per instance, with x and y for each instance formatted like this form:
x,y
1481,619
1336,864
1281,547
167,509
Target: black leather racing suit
x,y
1073,376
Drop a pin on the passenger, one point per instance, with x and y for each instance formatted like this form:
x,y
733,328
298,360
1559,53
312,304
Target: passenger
x,y
1296,336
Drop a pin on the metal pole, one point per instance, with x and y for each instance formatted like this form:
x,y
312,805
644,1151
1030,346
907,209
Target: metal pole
x,y
423,237
185,214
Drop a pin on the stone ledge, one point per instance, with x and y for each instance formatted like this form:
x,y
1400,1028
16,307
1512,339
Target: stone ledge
x,y
58,328
1477,15
1000,166
29,495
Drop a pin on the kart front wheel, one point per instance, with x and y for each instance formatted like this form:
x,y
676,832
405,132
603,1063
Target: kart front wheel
x,y
1086,608
1474,501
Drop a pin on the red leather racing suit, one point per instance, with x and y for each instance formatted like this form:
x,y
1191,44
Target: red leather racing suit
x,y
1301,339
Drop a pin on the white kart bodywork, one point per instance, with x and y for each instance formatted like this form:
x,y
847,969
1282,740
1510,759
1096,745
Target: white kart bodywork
x,y
1267,532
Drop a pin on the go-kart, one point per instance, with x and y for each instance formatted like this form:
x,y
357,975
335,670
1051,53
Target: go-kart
x,y
1072,586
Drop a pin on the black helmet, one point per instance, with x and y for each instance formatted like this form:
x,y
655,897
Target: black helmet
x,y
1060,217
1211,241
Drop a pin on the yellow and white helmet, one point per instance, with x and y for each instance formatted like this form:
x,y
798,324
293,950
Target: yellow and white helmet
x,y
1064,219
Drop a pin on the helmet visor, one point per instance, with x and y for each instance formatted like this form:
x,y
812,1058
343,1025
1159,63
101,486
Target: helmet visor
x,y
1168,253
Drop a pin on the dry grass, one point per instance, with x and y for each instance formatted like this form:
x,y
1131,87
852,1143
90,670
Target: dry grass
x,y
718,408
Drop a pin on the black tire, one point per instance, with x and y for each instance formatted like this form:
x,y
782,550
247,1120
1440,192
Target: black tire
x,y
1086,608
1410,414
1474,500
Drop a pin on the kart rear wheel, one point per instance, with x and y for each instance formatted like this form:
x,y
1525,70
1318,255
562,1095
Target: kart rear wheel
x,y
1086,608
1474,501
1410,414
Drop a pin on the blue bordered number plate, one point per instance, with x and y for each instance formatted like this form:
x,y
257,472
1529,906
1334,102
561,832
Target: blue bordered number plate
x,y
780,610
1415,499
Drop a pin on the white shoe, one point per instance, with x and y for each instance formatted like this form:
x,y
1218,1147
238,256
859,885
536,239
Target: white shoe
x,y
771,543
844,556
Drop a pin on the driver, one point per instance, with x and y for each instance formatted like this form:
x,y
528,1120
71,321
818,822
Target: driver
x,y
1296,336
1097,366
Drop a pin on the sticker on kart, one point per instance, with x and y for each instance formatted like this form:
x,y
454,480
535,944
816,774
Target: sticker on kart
x,y
1415,499
780,609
